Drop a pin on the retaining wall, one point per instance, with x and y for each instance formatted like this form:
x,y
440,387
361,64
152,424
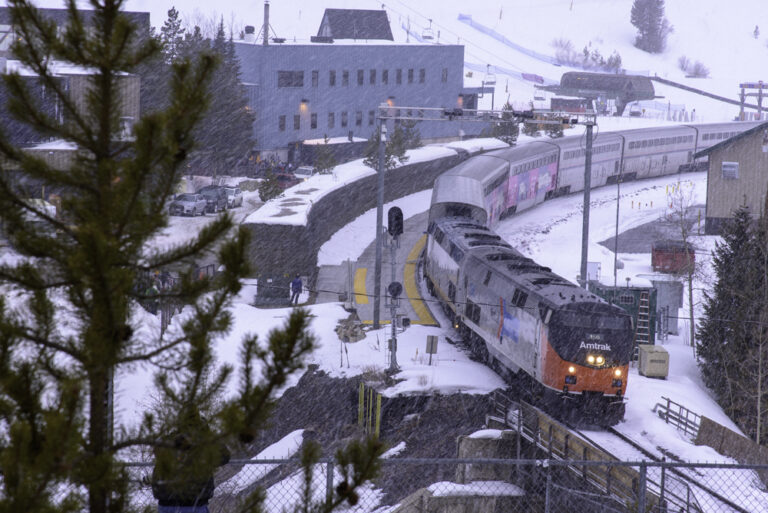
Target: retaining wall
x,y
280,250
731,444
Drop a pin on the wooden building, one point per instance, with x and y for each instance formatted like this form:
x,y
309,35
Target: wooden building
x,y
737,175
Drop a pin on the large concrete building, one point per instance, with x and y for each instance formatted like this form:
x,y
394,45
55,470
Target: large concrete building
x,y
333,87
738,175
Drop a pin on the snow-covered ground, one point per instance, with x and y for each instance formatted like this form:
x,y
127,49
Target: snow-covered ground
x,y
718,34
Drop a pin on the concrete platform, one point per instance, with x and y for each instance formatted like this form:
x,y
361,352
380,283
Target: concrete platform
x,y
334,279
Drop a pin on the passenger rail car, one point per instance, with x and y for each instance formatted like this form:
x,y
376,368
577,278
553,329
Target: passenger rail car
x,y
510,180
572,346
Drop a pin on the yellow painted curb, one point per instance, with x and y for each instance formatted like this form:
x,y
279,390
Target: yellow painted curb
x,y
361,296
412,290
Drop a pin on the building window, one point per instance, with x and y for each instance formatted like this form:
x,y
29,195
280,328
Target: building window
x,y
626,299
371,117
359,118
331,120
385,76
296,121
315,77
372,77
344,119
399,76
332,78
410,76
345,78
730,170
313,120
281,123
290,79
422,75
360,77
444,77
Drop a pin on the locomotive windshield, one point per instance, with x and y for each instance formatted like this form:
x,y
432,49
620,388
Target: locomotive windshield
x,y
593,328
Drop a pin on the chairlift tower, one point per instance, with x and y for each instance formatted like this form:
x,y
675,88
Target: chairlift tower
x,y
540,117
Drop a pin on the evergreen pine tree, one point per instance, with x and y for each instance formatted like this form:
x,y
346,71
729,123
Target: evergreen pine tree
x,y
719,329
269,188
172,37
652,27
69,320
411,134
506,130
394,150
226,132
324,159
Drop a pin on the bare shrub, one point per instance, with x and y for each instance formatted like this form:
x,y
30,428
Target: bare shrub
x,y
698,70
683,63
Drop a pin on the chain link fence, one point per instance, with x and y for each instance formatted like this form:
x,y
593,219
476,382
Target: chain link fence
x,y
409,485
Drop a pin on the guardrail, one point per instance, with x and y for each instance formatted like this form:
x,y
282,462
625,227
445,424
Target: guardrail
x,y
679,416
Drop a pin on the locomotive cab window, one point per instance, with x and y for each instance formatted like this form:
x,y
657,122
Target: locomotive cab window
x,y
487,279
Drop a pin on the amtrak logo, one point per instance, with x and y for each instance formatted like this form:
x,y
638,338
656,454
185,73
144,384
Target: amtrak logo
x,y
600,347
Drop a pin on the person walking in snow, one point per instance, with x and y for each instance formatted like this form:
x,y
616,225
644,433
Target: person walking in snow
x,y
296,287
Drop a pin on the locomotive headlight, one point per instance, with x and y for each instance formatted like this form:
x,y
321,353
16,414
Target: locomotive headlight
x,y
571,369
617,373
591,359
600,360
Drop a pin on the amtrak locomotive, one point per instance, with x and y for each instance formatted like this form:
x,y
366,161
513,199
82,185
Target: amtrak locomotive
x,y
570,348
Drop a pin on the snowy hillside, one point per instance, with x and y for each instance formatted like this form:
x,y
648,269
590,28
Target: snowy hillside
x,y
717,34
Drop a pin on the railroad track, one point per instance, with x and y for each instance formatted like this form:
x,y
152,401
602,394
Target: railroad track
x,y
688,480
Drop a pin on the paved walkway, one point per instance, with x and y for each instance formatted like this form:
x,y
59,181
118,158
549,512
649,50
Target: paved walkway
x,y
333,279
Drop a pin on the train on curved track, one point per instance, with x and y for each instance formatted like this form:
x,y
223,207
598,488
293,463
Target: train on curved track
x,y
569,347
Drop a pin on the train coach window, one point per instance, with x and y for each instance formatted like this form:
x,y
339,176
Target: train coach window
x,y
472,311
519,298
644,144
706,137
456,253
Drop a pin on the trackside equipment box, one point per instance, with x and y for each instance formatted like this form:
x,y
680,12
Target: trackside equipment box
x,y
653,361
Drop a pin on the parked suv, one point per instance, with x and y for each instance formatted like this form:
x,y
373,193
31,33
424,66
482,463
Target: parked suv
x,y
215,197
234,197
188,205
304,172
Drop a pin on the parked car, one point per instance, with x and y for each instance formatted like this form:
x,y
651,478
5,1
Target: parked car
x,y
234,197
188,205
304,172
215,197
286,179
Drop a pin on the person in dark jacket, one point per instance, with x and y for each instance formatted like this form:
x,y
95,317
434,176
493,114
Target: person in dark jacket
x,y
296,287
182,480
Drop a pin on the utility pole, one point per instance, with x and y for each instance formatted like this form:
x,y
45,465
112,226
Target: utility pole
x,y
379,220
585,218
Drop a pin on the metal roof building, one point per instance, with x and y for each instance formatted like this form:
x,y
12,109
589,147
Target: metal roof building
x,y
737,175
